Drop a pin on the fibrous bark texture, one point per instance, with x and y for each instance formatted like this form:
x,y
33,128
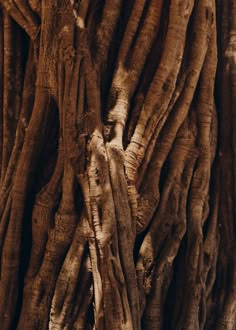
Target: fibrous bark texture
x,y
117,164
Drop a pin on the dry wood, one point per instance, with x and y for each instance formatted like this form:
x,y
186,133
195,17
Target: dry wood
x,y
117,164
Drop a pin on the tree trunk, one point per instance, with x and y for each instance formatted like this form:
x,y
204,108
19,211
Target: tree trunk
x,y
118,164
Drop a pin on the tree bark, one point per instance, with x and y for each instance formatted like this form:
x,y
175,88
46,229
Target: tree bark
x,y
117,164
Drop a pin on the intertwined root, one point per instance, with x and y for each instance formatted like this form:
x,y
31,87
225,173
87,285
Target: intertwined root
x,y
124,221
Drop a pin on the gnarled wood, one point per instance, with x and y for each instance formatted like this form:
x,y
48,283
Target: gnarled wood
x,y
117,164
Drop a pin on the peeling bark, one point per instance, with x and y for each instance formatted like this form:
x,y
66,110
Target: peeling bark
x,y
117,164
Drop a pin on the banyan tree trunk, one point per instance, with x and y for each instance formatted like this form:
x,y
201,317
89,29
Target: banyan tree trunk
x,y
118,164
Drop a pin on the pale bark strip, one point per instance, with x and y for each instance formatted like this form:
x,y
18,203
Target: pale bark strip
x,y
97,194
99,238
177,111
125,227
108,278
151,114
157,99
122,85
104,246
160,10
197,63
99,320
127,73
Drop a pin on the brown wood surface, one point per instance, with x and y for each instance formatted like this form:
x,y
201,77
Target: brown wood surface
x,y
118,164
